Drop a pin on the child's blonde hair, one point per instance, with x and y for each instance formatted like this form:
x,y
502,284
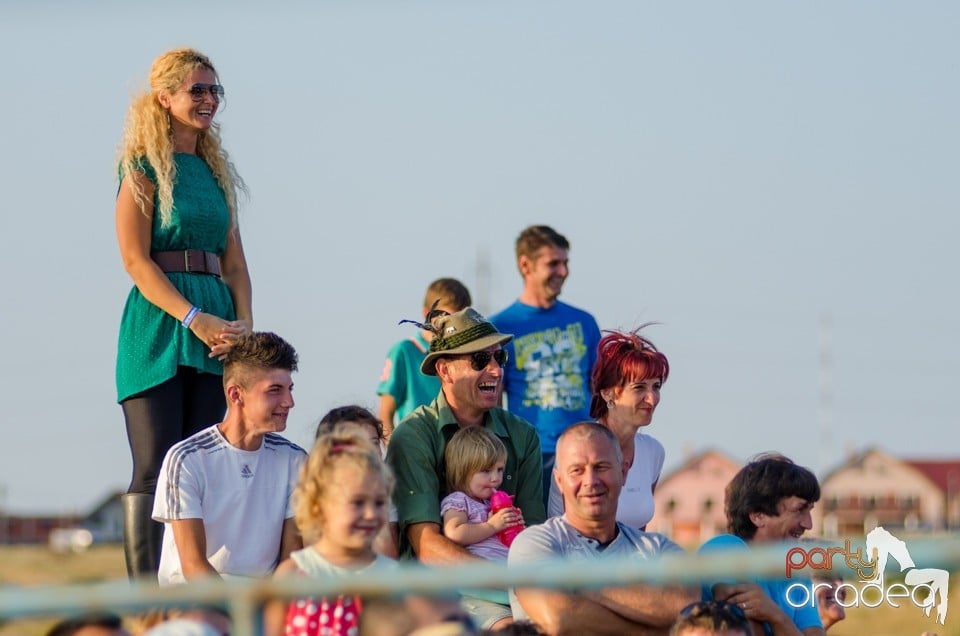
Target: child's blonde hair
x,y
468,452
345,444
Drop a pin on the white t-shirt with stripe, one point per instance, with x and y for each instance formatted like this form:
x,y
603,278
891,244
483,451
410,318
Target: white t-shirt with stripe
x,y
242,497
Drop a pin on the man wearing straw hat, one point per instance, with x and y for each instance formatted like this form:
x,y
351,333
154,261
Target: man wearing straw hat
x,y
467,355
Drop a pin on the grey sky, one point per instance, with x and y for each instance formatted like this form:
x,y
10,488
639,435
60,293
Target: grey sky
x,y
734,171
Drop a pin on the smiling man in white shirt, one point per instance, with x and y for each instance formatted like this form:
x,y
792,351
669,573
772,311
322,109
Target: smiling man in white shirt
x,y
224,494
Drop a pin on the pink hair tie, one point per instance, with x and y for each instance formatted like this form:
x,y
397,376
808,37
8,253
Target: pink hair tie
x,y
339,447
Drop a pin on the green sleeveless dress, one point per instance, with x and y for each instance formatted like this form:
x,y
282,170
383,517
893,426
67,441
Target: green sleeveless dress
x,y
153,343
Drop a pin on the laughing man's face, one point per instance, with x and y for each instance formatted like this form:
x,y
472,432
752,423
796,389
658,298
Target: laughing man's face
x,y
791,521
469,389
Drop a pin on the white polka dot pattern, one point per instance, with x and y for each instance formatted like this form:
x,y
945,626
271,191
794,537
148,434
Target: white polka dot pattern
x,y
323,617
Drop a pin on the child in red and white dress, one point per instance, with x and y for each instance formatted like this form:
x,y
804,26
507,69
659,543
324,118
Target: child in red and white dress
x,y
341,504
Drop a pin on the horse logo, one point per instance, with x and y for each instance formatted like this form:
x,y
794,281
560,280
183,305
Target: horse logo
x,y
881,546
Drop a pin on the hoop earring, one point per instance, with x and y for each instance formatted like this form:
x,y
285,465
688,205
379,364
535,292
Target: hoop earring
x,y
609,404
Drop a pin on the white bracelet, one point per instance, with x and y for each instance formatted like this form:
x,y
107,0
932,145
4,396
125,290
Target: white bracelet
x,y
190,316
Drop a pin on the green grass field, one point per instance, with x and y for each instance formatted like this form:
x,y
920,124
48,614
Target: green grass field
x,y
37,566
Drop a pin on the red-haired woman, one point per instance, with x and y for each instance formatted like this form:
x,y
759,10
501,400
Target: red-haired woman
x,y
626,383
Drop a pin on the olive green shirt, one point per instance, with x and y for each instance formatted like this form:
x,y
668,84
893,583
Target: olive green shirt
x,y
416,456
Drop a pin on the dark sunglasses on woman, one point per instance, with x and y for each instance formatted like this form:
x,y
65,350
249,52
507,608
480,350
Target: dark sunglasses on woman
x,y
197,92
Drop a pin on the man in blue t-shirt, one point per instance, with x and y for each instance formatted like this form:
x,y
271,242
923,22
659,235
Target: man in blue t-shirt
x,y
547,380
768,501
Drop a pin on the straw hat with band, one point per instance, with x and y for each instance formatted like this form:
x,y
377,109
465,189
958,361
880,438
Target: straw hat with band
x,y
465,331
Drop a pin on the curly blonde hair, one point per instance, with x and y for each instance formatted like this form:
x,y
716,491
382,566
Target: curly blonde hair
x,y
146,137
346,443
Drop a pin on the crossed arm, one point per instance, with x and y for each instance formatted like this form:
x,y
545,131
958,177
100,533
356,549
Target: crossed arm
x,y
639,609
635,610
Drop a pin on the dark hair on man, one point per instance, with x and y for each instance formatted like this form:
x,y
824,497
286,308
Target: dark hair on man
x,y
350,413
760,486
714,616
70,626
537,236
259,350
450,292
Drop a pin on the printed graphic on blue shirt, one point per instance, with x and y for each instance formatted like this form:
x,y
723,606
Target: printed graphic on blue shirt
x,y
550,361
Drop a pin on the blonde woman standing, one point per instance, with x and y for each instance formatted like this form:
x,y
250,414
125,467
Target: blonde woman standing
x,y
176,218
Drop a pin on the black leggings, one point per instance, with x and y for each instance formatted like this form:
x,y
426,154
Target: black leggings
x,y
163,415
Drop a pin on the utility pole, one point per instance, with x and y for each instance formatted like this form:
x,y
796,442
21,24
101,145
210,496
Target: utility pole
x,y
825,403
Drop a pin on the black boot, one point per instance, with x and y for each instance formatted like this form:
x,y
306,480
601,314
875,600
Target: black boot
x,y
142,536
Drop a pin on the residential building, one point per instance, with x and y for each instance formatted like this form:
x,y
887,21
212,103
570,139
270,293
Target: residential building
x,y
873,488
689,500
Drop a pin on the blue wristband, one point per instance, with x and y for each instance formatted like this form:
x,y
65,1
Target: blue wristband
x,y
190,316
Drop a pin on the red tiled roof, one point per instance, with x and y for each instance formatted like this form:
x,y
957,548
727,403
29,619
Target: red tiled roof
x,y
945,474
693,460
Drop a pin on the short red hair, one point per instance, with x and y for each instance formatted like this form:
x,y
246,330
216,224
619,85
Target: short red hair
x,y
623,358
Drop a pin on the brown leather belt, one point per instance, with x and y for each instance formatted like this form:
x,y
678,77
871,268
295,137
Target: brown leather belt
x,y
193,261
